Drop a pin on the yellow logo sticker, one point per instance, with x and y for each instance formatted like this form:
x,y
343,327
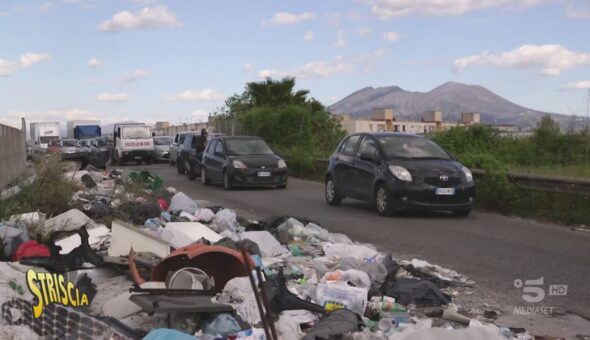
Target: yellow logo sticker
x,y
53,288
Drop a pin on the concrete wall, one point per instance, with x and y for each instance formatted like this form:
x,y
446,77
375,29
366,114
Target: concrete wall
x,y
13,155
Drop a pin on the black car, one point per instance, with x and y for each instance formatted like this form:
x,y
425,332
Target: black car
x,y
242,161
189,158
397,172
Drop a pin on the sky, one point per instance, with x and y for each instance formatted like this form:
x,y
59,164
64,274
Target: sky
x,y
178,60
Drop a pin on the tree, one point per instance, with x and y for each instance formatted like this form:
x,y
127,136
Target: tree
x,y
288,119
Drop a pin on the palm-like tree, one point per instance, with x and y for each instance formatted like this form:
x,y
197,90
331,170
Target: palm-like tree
x,y
275,93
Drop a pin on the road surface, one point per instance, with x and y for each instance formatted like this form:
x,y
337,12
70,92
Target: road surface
x,y
493,250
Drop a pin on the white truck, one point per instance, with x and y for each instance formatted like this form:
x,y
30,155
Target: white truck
x,y
44,134
132,142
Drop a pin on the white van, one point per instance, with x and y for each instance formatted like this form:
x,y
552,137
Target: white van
x,y
133,142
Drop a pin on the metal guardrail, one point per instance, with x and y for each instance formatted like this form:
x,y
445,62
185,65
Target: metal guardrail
x,y
527,181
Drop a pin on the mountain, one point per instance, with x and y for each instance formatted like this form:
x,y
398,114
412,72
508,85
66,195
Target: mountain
x,y
451,98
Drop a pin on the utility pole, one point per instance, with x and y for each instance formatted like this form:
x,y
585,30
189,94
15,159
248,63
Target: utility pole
x,y
587,109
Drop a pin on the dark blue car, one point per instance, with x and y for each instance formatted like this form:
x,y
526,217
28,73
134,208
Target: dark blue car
x,y
398,172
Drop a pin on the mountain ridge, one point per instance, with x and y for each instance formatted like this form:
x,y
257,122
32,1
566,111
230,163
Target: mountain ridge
x,y
452,98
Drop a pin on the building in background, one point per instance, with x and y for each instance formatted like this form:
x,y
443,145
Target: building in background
x,y
384,120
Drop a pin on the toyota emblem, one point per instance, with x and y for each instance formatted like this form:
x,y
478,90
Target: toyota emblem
x,y
444,178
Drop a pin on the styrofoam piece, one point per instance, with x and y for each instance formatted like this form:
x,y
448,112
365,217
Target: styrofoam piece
x,y
180,234
124,236
71,242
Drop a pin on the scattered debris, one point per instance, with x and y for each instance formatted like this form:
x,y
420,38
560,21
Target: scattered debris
x,y
153,263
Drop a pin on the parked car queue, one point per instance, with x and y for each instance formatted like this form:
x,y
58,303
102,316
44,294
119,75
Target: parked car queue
x,y
393,171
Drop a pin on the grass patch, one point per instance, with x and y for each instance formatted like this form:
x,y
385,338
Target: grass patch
x,y
50,193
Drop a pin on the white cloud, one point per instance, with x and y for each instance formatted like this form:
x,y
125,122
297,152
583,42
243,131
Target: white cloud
x,y
7,67
113,97
95,63
28,59
248,67
316,69
579,85
340,42
149,17
325,69
136,75
200,115
552,59
143,2
387,9
3,14
364,31
309,36
391,36
573,12
201,95
46,7
283,18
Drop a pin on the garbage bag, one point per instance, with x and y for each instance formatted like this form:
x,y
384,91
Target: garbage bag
x,y
282,299
311,231
336,296
167,334
12,234
222,324
339,238
224,219
238,293
268,245
72,219
421,293
352,277
139,212
335,325
442,277
377,272
204,215
181,202
354,250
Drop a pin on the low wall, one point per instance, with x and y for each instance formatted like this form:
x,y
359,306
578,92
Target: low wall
x,y
13,155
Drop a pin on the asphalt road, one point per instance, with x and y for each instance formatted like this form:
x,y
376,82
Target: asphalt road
x,y
493,250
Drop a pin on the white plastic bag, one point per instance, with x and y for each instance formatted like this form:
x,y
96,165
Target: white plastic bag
x,y
181,202
354,276
334,296
225,219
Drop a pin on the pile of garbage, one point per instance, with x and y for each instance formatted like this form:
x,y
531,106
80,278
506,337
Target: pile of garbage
x,y
145,261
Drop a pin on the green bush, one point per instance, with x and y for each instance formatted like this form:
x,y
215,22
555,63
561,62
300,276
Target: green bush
x,y
50,193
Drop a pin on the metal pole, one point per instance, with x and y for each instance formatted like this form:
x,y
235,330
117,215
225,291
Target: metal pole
x,y
587,109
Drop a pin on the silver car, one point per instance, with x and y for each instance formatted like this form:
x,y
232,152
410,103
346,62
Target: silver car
x,y
162,148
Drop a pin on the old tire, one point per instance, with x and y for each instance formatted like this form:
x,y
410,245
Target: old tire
x,y
204,179
383,200
332,195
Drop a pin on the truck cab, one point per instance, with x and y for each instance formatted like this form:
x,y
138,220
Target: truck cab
x,y
133,142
